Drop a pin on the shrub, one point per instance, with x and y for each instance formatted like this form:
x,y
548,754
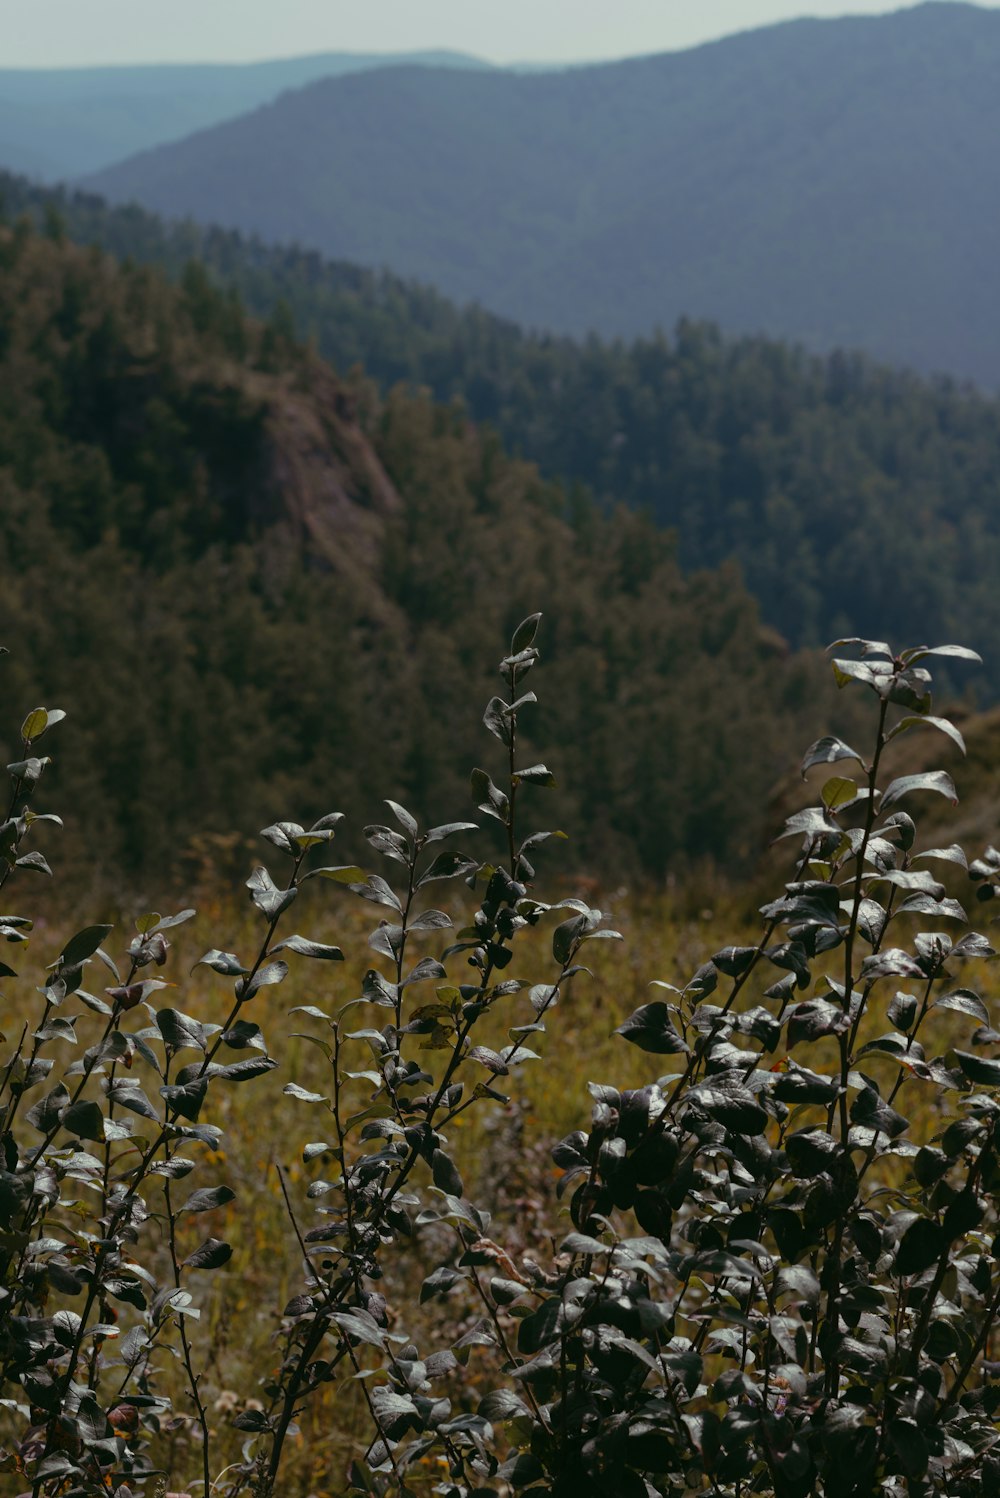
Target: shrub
x,y
774,1281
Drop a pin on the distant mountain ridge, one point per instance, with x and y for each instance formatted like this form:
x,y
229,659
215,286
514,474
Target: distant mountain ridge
x,y
828,181
59,123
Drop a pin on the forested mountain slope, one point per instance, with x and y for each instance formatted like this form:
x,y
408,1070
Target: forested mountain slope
x,y
261,592
829,181
58,123
855,498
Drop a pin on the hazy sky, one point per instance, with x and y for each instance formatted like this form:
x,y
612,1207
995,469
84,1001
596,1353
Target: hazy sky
x,y
58,33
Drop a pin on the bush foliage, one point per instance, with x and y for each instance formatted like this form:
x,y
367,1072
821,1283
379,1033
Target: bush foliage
x,y
779,1273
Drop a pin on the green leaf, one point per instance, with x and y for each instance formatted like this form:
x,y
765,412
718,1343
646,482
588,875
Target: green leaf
x,y
846,671
921,1246
800,1281
919,720
813,821
447,865
448,829
827,751
167,922
497,719
732,1105
84,1119
306,948
946,652
430,920
964,1001
212,1254
535,775
226,963
84,944
932,780
246,1071
186,1098
567,935
840,791
524,635
734,961
265,894
984,1071
813,1020
652,1030
209,1199
180,1030
284,836
292,1089
265,977
36,723
345,874
873,1112
502,1404
493,802
439,1282
403,817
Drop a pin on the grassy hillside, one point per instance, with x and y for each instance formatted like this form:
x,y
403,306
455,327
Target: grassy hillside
x,y
58,123
262,592
855,498
825,181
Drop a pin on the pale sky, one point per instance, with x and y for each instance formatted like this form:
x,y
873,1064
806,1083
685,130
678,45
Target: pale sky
x,y
62,33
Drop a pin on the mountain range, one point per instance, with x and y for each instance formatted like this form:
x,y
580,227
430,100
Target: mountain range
x,y
260,590
830,181
59,123
857,499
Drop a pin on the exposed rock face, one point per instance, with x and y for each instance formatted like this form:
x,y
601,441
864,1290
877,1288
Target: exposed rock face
x,y
332,484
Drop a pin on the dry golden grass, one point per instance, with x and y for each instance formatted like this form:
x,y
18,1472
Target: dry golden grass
x,y
502,1150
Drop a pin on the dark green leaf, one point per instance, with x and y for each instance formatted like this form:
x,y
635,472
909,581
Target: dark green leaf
x,y
403,817
226,963
212,1254
447,866
264,977
208,1199
652,1029
84,944
982,1070
180,1030
535,775
813,1020
872,1112
186,1098
266,895
932,780
524,635
921,1246
800,1280
827,751
964,1001
440,1282
84,1119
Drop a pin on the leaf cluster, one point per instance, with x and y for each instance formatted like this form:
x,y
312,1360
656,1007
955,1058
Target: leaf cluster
x,y
776,1277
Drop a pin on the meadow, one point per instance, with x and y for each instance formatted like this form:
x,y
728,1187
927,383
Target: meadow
x,y
504,1150
270,1356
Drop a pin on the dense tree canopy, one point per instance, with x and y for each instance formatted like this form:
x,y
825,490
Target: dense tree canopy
x,y
256,588
855,498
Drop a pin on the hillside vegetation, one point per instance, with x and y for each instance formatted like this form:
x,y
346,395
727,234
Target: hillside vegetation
x,y
57,123
255,587
856,498
827,181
